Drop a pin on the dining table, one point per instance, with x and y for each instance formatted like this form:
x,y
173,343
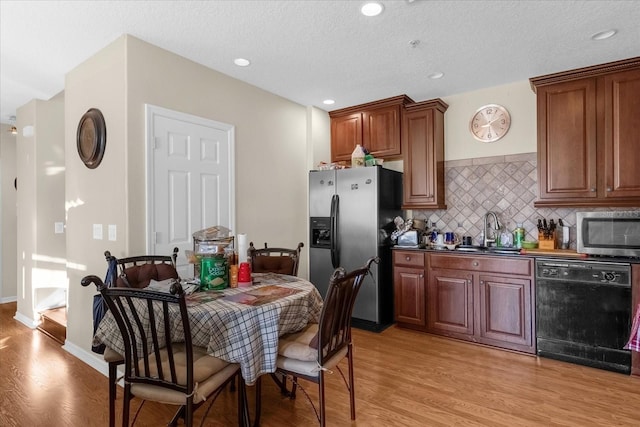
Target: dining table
x,y
243,324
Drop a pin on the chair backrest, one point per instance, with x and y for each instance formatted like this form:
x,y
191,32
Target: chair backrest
x,y
275,260
151,323
138,271
334,327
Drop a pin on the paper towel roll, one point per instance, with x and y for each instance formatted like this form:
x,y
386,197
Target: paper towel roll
x,y
243,247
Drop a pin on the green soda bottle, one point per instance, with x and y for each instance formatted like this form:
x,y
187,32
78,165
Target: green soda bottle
x,y
518,235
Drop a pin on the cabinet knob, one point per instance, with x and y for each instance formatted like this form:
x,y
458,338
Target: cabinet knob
x,y
408,258
421,276
593,190
609,189
475,263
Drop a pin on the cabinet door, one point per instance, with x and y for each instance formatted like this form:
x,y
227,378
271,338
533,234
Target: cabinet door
x,y
423,155
622,134
409,295
346,133
505,311
567,140
450,302
381,131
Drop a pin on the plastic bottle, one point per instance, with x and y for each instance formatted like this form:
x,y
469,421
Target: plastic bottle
x,y
357,157
518,235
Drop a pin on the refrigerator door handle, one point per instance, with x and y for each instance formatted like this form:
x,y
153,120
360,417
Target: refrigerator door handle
x,y
335,250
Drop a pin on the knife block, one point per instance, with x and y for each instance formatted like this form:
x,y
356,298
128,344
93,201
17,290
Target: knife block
x,y
547,241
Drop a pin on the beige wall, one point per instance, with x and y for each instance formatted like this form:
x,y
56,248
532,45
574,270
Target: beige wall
x,y
517,98
41,263
271,155
277,142
94,196
8,217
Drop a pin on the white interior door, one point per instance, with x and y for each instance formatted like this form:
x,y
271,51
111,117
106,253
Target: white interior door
x,y
190,179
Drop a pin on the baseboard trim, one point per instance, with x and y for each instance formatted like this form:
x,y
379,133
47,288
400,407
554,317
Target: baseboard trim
x,y
27,321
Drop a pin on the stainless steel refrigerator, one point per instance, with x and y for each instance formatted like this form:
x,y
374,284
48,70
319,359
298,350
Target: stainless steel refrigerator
x,y
351,218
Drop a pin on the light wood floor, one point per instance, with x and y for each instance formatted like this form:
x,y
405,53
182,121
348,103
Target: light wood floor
x,y
403,378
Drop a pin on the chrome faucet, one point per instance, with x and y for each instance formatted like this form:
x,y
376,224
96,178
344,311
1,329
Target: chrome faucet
x,y
487,240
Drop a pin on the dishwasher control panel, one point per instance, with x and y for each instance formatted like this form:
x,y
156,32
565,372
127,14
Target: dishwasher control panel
x,y
584,271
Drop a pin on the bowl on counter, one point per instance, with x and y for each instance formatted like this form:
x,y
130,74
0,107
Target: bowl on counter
x,y
529,245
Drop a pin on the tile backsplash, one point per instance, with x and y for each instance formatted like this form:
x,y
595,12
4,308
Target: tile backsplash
x,y
506,185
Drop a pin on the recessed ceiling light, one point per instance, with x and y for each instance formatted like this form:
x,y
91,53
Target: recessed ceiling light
x,y
602,35
328,102
371,9
435,76
241,62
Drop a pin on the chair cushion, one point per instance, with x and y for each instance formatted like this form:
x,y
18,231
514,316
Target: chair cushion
x,y
139,276
309,368
208,373
111,356
297,345
273,264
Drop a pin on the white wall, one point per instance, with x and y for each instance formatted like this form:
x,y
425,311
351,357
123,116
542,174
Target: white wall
x,y
8,216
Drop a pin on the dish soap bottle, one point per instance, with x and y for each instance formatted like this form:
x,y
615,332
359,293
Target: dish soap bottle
x,y
357,157
505,238
518,235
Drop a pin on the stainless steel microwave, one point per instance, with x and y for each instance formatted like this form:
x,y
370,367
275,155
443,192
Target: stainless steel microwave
x,y
608,233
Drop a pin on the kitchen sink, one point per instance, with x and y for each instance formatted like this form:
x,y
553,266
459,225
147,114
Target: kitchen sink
x,y
490,249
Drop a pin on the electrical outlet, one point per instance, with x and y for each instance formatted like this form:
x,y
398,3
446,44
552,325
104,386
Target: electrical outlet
x,y
112,232
58,227
97,231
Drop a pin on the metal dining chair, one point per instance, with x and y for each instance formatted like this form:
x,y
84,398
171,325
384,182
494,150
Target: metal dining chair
x,y
135,271
318,348
275,260
161,363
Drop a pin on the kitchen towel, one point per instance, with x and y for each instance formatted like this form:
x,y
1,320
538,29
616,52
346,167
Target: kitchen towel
x,y
243,247
634,339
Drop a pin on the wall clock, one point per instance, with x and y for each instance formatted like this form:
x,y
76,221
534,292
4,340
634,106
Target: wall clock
x,y
490,123
91,138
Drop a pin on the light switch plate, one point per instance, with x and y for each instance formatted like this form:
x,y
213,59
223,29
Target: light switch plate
x,y
112,232
97,231
58,227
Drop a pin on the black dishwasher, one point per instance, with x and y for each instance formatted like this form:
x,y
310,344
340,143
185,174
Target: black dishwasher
x,y
583,312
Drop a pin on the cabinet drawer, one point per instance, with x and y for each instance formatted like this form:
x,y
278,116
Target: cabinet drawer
x,y
408,258
503,265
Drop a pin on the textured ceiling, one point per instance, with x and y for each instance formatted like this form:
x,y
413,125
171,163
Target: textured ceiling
x,y
308,51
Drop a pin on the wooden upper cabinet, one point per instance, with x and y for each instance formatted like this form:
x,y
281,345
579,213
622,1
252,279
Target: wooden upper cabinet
x,y
423,155
588,134
375,125
346,133
567,141
622,134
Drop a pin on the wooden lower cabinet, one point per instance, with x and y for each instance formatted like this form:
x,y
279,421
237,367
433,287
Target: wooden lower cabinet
x,y
450,303
483,299
409,288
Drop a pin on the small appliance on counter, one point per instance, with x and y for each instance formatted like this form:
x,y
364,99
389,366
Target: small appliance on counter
x,y
614,233
407,235
410,238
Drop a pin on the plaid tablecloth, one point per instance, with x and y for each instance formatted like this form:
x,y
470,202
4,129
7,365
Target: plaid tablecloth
x,y
242,325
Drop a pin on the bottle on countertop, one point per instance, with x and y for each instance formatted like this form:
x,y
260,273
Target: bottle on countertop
x,y
505,238
518,235
357,157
